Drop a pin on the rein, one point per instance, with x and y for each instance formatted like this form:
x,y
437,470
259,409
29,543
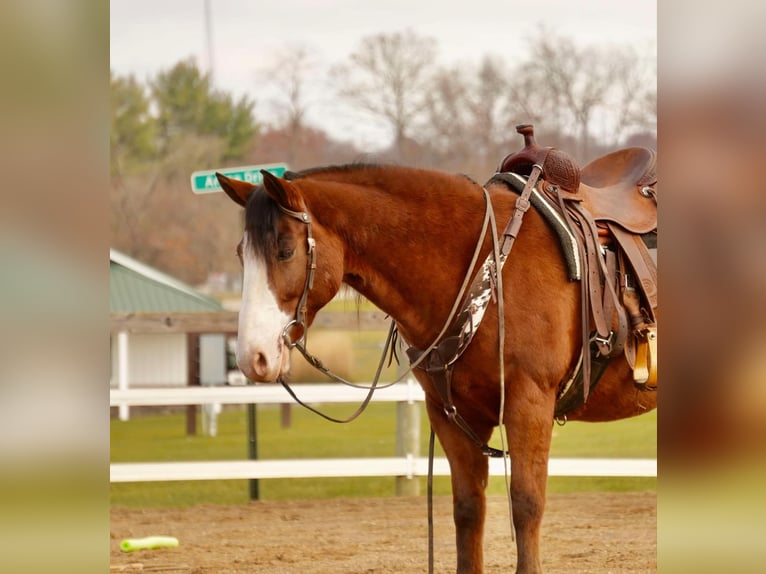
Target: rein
x,y
439,357
317,364
301,312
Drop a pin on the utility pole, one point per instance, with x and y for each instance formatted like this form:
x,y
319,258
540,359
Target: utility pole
x,y
209,42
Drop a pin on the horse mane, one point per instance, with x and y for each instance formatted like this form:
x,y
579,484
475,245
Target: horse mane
x,y
330,169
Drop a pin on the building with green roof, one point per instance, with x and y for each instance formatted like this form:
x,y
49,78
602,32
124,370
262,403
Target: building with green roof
x,y
158,359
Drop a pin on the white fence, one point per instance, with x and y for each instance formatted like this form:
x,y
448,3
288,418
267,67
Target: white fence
x,y
402,466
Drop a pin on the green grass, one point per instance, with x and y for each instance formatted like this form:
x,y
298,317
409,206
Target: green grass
x,y
163,438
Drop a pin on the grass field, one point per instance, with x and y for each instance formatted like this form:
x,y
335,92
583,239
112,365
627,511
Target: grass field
x,y
163,438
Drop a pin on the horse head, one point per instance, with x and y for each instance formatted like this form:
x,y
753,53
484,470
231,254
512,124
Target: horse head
x,y
292,268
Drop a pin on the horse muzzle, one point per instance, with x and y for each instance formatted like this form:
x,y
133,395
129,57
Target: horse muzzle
x,y
262,367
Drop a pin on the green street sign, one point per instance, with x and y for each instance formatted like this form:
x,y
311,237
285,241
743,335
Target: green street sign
x,y
206,182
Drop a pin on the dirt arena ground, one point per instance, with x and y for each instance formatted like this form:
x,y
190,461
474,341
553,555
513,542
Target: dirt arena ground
x,y
592,533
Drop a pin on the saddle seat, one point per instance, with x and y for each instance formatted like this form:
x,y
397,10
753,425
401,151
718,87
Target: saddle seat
x,y
613,188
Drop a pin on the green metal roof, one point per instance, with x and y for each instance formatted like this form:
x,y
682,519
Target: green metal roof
x,y
137,288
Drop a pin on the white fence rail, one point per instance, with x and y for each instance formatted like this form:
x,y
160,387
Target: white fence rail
x,y
263,394
403,466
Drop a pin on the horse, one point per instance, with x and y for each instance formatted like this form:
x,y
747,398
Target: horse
x,y
405,239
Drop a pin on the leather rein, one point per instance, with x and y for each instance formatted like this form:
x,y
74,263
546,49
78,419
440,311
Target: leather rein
x,y
439,358
301,311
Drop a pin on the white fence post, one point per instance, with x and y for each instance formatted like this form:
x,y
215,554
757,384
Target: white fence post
x,y
408,442
123,371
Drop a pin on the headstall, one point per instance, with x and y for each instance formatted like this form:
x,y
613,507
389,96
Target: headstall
x,y
301,311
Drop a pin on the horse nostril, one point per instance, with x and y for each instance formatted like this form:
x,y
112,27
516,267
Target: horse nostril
x,y
260,364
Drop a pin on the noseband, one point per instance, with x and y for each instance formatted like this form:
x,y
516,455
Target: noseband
x,y
301,311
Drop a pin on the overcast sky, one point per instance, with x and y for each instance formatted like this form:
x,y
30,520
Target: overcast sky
x,y
152,35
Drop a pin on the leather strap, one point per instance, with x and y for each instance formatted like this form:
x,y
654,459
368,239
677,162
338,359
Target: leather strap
x,y
641,260
572,396
609,303
641,351
618,322
585,353
595,291
601,309
441,379
300,320
522,205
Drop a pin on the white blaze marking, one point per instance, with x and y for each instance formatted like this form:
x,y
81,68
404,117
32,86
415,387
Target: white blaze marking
x,y
260,321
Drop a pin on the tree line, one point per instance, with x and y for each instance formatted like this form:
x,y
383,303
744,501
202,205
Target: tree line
x,y
584,99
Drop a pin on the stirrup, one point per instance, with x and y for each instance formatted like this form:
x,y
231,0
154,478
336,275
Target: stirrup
x,y
645,368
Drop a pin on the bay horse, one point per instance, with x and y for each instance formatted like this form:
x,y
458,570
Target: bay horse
x,y
404,238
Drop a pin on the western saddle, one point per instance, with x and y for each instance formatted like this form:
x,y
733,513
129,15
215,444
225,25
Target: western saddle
x,y
610,205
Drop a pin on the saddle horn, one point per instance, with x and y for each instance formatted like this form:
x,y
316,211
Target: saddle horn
x,y
558,167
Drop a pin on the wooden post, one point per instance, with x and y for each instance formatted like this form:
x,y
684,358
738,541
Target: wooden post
x,y
193,379
286,415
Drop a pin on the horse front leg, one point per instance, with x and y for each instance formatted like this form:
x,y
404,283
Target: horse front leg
x,y
529,422
469,470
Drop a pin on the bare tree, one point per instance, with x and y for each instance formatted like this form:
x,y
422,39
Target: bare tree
x,y
635,93
469,117
448,117
576,86
290,74
388,77
578,78
494,112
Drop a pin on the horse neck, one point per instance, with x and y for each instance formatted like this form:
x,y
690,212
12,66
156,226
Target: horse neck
x,y
405,250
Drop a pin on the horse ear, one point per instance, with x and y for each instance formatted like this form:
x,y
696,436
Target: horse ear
x,y
237,190
282,191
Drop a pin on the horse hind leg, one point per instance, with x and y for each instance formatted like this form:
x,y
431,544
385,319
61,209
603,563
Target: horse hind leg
x,y
469,470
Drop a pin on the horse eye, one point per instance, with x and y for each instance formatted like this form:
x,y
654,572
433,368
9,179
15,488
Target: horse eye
x,y
285,253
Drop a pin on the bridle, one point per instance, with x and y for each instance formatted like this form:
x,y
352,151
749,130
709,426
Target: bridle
x,y
300,321
300,318
301,310
460,324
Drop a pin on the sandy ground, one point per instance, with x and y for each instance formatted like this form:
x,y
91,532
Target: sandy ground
x,y
593,533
